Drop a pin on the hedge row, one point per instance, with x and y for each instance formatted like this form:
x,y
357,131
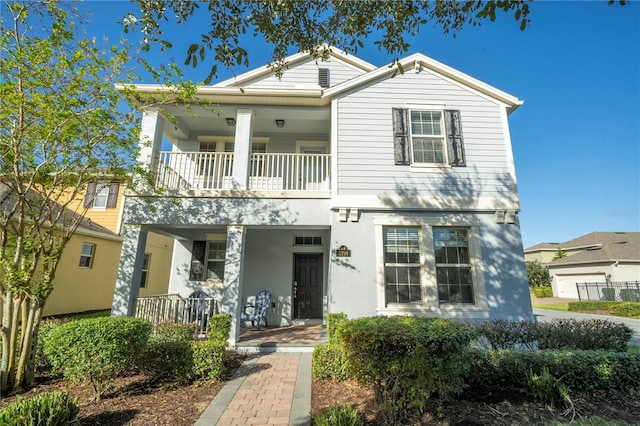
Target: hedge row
x,y
623,309
583,370
596,334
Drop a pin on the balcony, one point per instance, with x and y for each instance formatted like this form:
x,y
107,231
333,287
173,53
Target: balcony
x,y
267,171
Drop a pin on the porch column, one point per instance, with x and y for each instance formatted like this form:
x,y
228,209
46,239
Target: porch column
x,y
129,272
242,148
150,139
233,267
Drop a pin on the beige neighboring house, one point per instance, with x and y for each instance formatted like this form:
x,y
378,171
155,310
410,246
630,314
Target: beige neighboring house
x,y
86,276
598,257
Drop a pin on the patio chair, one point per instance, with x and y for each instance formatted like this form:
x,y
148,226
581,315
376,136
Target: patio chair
x,y
258,311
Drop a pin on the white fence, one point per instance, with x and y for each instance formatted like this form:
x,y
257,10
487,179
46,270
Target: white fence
x,y
174,308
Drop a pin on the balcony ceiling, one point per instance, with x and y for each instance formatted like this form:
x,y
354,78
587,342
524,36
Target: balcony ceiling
x,y
199,121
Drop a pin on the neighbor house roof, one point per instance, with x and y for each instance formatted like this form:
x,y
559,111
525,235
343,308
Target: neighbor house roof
x,y
602,247
542,247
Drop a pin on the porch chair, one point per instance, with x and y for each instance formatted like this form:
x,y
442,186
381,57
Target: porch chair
x,y
258,311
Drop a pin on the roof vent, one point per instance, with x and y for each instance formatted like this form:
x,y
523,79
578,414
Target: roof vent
x,y
323,77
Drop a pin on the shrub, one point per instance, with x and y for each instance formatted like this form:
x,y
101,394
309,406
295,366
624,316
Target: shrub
x,y
44,330
549,389
328,362
333,321
503,334
596,305
45,409
97,349
209,358
586,334
169,355
538,291
579,370
547,291
342,415
627,309
219,327
406,360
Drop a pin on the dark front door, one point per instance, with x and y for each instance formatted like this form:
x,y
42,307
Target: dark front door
x,y
307,286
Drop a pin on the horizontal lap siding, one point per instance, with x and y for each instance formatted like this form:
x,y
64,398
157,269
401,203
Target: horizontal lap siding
x,y
306,75
365,141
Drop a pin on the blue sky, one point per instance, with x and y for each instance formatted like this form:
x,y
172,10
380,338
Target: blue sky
x,y
576,139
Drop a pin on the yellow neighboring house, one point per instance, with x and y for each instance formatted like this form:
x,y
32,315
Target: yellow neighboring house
x,y
86,276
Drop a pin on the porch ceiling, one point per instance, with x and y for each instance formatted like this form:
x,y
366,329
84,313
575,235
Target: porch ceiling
x,y
200,121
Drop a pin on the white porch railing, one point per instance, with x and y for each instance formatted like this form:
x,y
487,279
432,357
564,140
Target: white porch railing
x,y
163,308
267,172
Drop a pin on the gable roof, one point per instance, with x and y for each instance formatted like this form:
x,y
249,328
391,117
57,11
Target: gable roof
x,y
542,247
602,247
231,90
296,59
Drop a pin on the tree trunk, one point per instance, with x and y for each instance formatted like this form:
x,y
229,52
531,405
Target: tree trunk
x,y
26,344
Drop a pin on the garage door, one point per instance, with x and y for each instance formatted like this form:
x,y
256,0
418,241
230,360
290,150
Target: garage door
x,y
565,285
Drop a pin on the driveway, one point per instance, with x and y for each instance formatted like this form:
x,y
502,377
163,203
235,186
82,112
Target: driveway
x,y
549,315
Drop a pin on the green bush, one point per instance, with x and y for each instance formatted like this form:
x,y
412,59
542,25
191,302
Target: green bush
x,y
593,334
503,334
547,291
342,415
97,349
219,327
494,371
44,330
538,291
169,355
406,360
333,321
627,309
45,409
209,359
595,305
328,363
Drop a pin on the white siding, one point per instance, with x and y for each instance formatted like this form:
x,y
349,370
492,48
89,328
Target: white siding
x,y
306,75
365,141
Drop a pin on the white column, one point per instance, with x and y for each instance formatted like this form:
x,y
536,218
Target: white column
x,y
150,140
129,271
242,148
233,267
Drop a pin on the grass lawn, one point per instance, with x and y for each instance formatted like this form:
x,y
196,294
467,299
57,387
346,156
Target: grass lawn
x,y
559,306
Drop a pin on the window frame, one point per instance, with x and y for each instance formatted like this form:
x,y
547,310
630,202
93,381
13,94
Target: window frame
x,y
459,266
406,265
144,275
208,260
90,256
430,305
442,137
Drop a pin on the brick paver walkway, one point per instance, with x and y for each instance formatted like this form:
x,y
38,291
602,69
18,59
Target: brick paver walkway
x,y
269,389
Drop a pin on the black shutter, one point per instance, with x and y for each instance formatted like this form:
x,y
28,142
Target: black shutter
x,y
90,195
197,272
112,198
400,117
455,144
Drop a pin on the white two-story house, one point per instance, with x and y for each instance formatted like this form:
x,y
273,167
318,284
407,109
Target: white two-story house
x,y
339,187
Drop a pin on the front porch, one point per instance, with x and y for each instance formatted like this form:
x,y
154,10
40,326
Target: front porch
x,y
159,309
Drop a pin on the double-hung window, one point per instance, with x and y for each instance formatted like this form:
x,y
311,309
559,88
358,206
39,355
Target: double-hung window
x,y
215,260
101,195
402,265
86,255
145,270
453,265
427,137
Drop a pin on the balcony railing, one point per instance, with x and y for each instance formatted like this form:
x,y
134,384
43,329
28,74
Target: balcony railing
x,y
164,308
267,172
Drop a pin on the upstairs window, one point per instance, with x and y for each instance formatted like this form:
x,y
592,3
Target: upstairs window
x,y
101,195
428,137
145,270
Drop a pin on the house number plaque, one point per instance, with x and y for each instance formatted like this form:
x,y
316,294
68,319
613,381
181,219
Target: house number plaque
x,y
343,251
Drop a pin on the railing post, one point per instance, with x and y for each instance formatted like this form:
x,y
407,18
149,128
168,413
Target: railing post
x,y
578,290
